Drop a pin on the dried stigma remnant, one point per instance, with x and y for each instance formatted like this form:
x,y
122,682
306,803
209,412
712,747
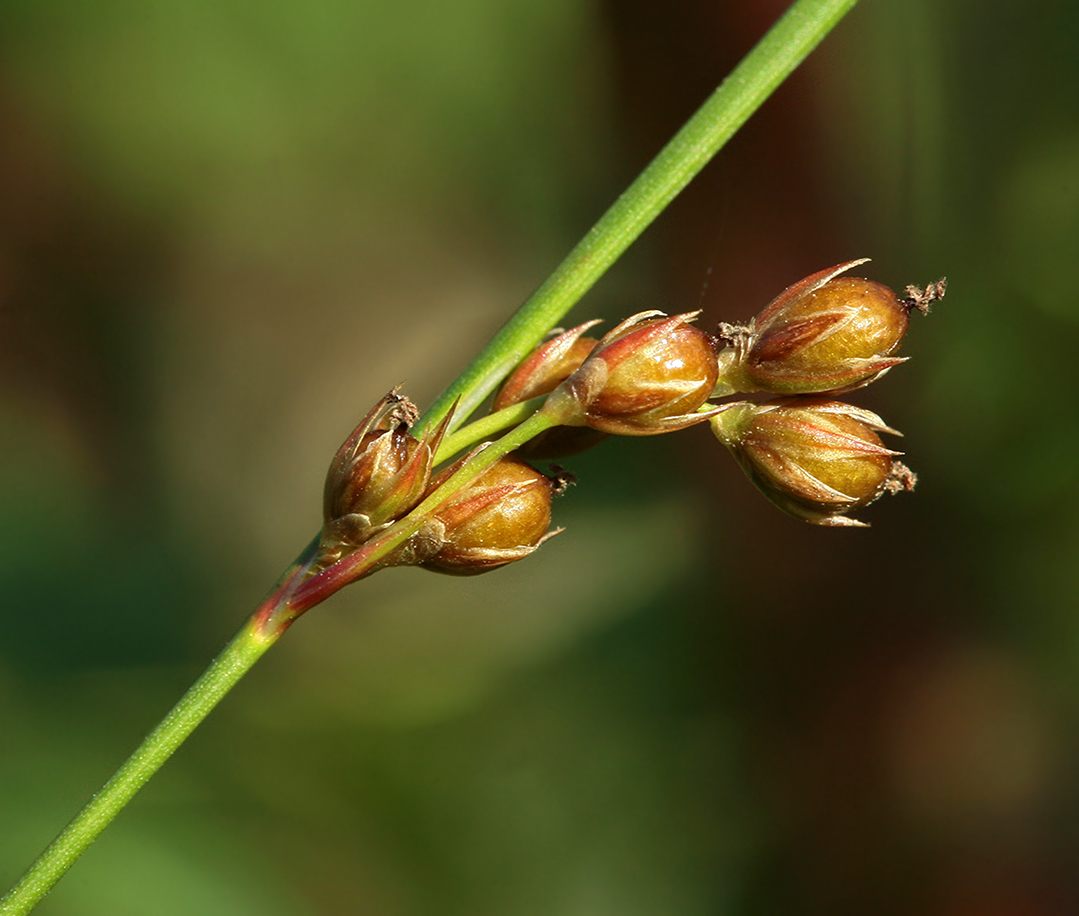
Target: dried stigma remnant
x,y
815,458
825,333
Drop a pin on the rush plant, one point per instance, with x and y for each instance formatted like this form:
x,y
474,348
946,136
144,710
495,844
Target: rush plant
x,y
387,502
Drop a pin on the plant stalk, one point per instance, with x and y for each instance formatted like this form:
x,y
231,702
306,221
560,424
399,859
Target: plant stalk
x,y
235,660
486,427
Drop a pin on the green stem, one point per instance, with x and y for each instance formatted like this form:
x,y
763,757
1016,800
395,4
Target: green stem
x,y
487,427
782,49
232,664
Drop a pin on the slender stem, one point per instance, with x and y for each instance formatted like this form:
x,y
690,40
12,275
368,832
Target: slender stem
x,y
487,427
782,49
233,663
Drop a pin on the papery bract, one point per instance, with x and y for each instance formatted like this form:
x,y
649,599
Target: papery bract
x,y
547,366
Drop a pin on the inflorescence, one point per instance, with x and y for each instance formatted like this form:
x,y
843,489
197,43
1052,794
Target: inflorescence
x,y
815,457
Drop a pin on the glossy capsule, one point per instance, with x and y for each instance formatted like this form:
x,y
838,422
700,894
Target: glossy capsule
x,y
649,375
825,333
814,458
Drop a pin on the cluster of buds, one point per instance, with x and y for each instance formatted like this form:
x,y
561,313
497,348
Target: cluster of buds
x,y
382,472
815,457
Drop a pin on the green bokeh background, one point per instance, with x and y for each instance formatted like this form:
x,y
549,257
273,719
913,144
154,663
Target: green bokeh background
x,y
226,228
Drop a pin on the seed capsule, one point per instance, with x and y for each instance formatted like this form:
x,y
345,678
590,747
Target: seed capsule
x,y
502,516
823,334
816,459
379,474
649,375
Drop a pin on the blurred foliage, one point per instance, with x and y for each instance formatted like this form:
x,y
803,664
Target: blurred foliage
x,y
227,228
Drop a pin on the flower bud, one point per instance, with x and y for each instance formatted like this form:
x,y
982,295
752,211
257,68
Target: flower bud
x,y
502,516
649,375
823,334
379,474
546,367
543,370
814,458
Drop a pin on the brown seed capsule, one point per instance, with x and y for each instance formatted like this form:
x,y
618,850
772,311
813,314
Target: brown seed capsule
x,y
649,375
502,516
823,334
814,458
543,370
379,474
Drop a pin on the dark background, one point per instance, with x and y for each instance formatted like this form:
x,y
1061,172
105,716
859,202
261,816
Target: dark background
x,y
227,227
